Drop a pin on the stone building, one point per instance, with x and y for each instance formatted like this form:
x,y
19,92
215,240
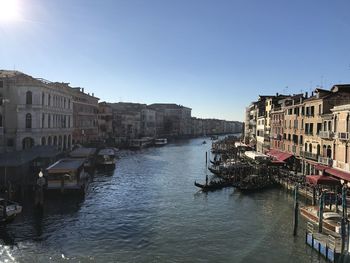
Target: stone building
x,y
85,115
105,120
250,124
176,119
34,112
148,123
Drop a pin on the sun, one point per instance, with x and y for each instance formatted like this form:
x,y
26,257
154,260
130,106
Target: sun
x,y
9,10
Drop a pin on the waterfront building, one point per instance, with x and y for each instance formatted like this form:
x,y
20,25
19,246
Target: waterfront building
x,y
85,115
276,123
148,123
197,128
105,119
250,124
176,119
34,111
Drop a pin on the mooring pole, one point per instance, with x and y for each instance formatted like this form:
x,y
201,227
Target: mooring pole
x,y
296,210
343,220
206,157
320,214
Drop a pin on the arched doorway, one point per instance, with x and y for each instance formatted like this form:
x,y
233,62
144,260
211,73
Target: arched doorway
x,y
49,141
27,143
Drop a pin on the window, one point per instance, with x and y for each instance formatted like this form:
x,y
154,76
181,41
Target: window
x,y
43,99
49,121
312,112
319,109
49,100
319,128
43,121
29,98
311,128
289,137
28,121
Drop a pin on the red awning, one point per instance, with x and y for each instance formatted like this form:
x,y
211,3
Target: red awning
x,y
322,179
280,156
339,174
320,167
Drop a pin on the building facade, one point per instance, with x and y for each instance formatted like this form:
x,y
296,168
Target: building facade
x,y
34,112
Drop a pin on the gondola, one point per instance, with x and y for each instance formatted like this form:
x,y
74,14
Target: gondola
x,y
215,171
215,162
214,185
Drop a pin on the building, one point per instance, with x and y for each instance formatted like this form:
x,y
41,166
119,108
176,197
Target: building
x,y
85,115
105,121
176,119
250,124
148,123
34,112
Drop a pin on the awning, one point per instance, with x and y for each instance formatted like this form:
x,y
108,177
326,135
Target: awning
x,y
320,167
339,174
280,156
322,179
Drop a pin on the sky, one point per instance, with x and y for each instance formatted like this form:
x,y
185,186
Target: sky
x,y
212,56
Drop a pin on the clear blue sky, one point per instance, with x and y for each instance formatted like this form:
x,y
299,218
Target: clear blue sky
x,y
213,56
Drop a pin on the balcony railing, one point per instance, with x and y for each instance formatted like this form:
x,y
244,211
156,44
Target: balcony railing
x,y
308,155
326,134
325,160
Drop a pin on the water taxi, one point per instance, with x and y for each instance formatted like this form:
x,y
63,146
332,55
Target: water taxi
x,y
106,157
160,142
12,209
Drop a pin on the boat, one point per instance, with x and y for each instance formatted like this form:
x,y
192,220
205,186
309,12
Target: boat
x,y
254,183
12,210
160,142
214,137
138,144
213,185
106,157
331,220
67,176
204,142
85,153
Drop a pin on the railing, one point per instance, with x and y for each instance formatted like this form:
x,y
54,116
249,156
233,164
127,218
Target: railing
x,y
308,155
325,160
326,134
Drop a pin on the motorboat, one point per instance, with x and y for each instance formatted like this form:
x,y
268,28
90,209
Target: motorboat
x,y
12,209
106,157
160,142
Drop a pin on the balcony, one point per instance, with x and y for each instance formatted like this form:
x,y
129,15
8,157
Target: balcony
x,y
325,160
308,155
326,135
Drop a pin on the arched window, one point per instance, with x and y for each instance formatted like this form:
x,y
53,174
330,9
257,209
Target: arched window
x,y
49,121
29,96
28,121
27,143
335,124
318,149
329,152
310,148
49,100
305,147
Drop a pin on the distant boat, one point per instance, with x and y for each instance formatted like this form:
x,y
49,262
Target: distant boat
x,y
12,209
213,185
204,142
106,157
160,142
141,143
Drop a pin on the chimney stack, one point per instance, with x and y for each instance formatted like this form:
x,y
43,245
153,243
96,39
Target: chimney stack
x,y
306,95
312,94
82,90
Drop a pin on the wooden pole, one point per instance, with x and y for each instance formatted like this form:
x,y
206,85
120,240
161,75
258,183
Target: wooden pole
x,y
296,210
320,215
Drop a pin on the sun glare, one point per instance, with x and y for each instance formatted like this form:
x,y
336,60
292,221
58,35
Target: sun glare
x,y
9,10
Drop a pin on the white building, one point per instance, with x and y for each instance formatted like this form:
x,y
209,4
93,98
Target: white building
x,y
34,112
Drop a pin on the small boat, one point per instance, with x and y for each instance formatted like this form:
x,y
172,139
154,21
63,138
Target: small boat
x,y
160,142
138,144
106,157
204,142
12,209
213,185
254,183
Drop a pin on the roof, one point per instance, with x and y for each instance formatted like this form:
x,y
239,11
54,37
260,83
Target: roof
x,y
65,165
82,152
18,158
322,180
9,73
339,174
279,155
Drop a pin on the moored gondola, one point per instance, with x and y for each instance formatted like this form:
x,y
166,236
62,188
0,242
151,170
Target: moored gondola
x,y
213,185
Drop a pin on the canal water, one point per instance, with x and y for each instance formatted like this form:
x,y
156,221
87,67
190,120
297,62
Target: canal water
x,y
148,210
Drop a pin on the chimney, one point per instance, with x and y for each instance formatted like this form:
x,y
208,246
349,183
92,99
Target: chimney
x,y
306,95
277,94
82,90
312,94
